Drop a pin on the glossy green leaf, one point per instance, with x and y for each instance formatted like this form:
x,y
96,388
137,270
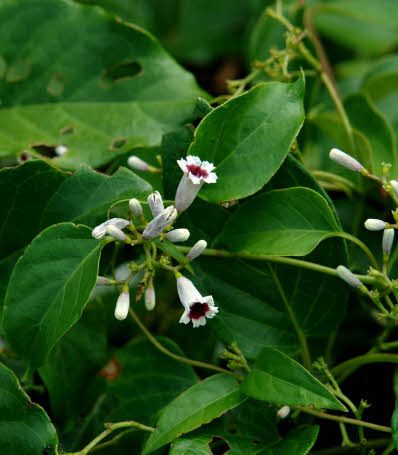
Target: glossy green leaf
x,y
248,137
277,378
289,222
365,26
25,427
297,442
87,196
113,89
73,364
198,405
48,289
148,380
382,77
197,446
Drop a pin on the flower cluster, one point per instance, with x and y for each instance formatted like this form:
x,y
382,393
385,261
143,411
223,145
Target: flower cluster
x,y
152,235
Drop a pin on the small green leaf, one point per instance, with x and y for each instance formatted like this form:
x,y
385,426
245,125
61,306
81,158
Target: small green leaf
x,y
289,222
25,427
196,446
48,289
199,404
277,378
248,137
297,442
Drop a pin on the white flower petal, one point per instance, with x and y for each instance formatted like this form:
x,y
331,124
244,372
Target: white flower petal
x,y
211,178
194,179
184,318
187,292
183,165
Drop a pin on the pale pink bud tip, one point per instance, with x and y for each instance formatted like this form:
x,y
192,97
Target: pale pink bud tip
x,y
347,276
388,239
159,223
122,306
197,250
61,150
135,207
372,224
100,230
155,202
345,160
116,233
178,235
150,299
137,163
283,412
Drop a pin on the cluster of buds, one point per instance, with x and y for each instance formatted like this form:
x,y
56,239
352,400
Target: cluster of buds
x,y
150,235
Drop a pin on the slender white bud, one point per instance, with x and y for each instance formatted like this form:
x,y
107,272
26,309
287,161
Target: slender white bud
x,y
394,185
122,306
388,239
372,224
345,160
348,276
60,150
100,231
116,233
178,235
102,281
135,207
186,193
159,223
150,299
283,412
197,250
137,163
155,202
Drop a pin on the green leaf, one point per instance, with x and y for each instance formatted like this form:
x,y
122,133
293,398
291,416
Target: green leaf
x,y
25,191
289,222
25,427
73,364
48,289
113,89
87,196
297,442
394,428
277,378
149,380
248,137
382,78
365,26
199,404
375,127
197,446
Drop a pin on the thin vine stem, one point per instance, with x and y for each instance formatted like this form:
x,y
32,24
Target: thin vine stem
x,y
370,444
192,362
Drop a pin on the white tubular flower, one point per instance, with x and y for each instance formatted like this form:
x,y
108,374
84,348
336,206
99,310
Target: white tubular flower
x,y
197,250
135,207
283,412
347,276
159,223
394,185
150,298
116,233
102,281
372,224
155,202
196,173
197,308
137,163
388,239
100,231
122,306
178,235
345,160
60,150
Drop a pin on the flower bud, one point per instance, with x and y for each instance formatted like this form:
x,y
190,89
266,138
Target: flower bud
x,y
150,299
137,163
388,239
345,160
102,281
60,150
159,223
347,276
283,412
116,233
100,231
135,207
197,250
394,185
372,224
178,235
186,193
122,306
155,203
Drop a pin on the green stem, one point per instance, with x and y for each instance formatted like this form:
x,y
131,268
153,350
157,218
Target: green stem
x,y
361,245
323,415
110,428
281,260
161,348
374,444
